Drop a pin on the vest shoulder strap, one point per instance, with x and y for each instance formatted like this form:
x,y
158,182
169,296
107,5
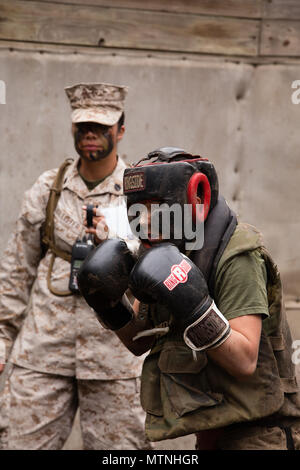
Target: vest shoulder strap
x,y
246,237
47,229
218,230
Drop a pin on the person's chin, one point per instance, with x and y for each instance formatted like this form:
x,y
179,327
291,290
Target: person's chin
x,y
93,156
149,243
146,244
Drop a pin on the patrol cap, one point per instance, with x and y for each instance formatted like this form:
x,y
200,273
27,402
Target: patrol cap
x,y
96,102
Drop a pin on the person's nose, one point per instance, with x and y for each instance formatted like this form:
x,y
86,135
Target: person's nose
x,y
90,134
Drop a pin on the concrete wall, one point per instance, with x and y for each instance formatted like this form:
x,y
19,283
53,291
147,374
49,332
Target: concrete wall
x,y
239,116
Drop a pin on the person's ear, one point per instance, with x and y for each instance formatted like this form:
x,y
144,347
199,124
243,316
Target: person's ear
x,y
73,129
121,132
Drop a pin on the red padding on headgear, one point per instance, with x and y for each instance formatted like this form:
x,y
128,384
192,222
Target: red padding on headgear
x,y
195,180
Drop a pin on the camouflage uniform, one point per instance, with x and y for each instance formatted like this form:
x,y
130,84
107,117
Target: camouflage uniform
x,y
4,410
62,353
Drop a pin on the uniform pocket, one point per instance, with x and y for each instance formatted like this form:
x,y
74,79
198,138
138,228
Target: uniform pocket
x,y
185,394
67,230
183,380
176,358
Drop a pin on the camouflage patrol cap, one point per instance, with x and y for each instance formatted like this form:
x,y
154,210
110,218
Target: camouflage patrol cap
x,y
96,102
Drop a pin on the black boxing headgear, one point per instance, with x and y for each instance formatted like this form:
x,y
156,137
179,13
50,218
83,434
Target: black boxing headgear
x,y
171,175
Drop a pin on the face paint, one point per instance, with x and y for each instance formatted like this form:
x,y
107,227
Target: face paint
x,y
103,139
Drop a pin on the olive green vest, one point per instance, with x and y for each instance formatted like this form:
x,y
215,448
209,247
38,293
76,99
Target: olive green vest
x,y
182,395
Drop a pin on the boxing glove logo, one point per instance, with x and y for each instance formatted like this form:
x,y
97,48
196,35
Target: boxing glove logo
x,y
179,275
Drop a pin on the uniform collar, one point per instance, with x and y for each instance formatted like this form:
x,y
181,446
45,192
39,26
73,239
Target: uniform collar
x,y
112,184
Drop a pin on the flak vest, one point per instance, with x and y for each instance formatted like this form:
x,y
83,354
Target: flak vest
x,y
183,395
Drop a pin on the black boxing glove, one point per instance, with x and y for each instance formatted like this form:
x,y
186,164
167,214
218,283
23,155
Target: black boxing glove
x,y
166,276
103,281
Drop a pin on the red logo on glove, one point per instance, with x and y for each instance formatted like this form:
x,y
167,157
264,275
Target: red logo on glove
x,y
178,275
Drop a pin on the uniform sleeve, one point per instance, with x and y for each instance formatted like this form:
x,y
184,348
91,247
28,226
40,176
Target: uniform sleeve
x,y
19,263
240,287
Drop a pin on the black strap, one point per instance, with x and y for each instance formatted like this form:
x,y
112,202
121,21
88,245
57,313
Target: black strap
x,y
219,227
47,228
165,154
89,215
289,437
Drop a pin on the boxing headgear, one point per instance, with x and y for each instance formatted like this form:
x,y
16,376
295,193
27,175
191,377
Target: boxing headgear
x,y
172,175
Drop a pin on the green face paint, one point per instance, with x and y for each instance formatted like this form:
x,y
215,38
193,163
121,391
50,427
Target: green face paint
x,y
93,142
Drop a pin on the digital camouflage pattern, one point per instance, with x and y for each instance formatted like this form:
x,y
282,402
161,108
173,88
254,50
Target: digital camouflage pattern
x,y
96,102
58,341
57,335
43,408
4,418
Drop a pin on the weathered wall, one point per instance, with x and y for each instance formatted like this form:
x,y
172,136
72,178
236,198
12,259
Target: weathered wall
x,y
254,28
213,77
238,115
